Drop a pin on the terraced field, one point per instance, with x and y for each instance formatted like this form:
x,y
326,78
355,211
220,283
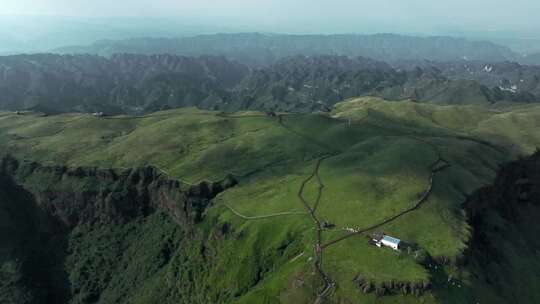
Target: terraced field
x,y
312,188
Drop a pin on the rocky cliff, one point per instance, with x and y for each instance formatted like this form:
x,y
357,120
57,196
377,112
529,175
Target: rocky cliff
x,y
78,196
78,235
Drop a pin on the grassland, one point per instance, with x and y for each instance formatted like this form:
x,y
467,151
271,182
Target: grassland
x,y
377,157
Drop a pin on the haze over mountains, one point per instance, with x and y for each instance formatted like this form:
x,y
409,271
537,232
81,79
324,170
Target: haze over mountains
x,y
269,72
127,83
262,49
38,34
269,152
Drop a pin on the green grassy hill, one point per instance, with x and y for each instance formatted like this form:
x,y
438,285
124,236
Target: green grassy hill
x,y
369,166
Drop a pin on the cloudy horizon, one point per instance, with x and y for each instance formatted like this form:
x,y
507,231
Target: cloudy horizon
x,y
25,24
422,16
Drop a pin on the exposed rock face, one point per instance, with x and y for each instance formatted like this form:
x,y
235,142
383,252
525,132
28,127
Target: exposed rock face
x,y
64,230
503,251
89,195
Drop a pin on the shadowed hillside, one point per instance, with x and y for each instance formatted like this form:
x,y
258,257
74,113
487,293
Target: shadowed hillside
x,y
504,247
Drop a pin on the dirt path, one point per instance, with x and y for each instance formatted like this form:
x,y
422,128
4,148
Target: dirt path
x,y
152,115
225,115
318,250
437,166
259,217
311,211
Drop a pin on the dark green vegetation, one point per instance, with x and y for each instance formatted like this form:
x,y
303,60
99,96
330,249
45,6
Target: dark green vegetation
x,y
68,233
121,84
136,84
403,167
30,249
505,76
316,83
504,246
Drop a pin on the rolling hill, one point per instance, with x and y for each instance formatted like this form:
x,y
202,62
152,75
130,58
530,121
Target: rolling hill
x,y
197,206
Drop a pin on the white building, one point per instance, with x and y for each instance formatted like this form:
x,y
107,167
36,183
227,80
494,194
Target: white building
x,y
391,242
387,241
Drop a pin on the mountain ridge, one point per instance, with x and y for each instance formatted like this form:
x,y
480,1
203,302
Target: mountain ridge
x,y
258,49
135,84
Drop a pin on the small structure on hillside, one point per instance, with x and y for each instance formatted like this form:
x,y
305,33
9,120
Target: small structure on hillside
x,y
380,239
328,225
98,114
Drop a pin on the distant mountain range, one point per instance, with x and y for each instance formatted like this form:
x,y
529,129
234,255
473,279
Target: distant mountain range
x,y
120,84
133,84
263,49
506,76
304,83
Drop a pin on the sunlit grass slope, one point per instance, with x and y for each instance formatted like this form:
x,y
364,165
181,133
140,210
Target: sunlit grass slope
x,y
377,163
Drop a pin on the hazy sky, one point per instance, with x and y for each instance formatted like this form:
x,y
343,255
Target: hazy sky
x,y
27,25
325,16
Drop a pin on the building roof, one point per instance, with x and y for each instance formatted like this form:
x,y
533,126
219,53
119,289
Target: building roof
x,y
390,239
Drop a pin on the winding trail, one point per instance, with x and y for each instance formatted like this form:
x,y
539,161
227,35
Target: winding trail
x,y
320,188
259,217
225,115
437,166
318,250
152,115
311,209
